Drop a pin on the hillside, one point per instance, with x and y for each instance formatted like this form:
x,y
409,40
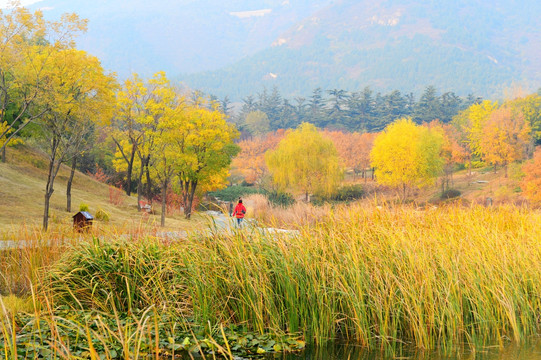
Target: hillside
x,y
22,187
183,36
235,48
462,46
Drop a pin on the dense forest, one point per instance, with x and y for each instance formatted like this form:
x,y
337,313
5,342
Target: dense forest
x,y
337,109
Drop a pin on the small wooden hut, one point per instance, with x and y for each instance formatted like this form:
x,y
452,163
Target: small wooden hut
x,y
82,221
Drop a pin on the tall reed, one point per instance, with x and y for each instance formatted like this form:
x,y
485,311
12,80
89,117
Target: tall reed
x,y
379,276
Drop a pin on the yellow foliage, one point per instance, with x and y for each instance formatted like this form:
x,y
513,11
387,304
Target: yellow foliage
x,y
306,161
406,155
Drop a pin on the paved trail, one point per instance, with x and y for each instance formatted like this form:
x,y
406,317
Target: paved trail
x,y
218,223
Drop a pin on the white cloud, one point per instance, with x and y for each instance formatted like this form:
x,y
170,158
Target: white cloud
x,y
247,14
6,3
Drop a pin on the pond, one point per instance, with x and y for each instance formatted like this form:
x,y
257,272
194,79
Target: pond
x,y
510,351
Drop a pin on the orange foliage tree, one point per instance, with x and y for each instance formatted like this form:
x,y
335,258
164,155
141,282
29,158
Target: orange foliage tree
x,y
353,149
506,135
531,184
250,162
453,151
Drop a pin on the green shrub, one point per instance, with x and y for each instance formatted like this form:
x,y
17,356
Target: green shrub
x,y
83,207
280,198
232,193
348,193
342,194
102,215
450,194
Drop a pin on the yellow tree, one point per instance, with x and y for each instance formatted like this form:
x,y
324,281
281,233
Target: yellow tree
x,y
505,137
75,90
531,184
204,146
305,161
530,107
469,126
27,42
166,116
406,155
127,127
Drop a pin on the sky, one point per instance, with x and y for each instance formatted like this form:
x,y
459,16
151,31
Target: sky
x,y
4,3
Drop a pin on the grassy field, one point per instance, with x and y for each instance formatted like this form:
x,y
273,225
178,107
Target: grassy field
x,y
380,276
22,188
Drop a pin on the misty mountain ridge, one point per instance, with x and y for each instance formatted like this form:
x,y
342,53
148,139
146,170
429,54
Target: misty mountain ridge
x,y
236,48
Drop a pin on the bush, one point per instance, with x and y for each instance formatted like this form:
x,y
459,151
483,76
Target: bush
x,y
232,193
348,193
450,194
83,207
280,198
343,194
102,215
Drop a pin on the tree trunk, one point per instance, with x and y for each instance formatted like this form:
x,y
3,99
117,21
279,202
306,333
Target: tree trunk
x,y
148,192
306,197
49,189
140,186
403,193
4,154
190,192
70,181
130,171
164,202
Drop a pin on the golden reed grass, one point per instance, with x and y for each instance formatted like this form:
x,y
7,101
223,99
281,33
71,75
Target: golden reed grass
x,y
375,275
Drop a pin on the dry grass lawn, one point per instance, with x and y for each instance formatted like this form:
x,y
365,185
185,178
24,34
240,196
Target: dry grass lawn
x,y
22,188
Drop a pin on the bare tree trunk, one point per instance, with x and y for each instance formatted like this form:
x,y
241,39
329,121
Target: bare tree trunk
x,y
140,186
164,202
130,171
70,181
4,154
190,187
49,187
306,197
148,192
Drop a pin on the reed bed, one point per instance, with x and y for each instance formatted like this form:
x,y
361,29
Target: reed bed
x,y
380,277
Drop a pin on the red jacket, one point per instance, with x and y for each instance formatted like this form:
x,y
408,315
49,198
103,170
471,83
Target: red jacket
x,y
239,212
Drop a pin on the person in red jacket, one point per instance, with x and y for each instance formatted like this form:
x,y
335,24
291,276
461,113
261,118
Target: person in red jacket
x,y
239,212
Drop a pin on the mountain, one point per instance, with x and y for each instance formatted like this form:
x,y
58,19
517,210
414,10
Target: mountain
x,y
463,46
238,47
179,36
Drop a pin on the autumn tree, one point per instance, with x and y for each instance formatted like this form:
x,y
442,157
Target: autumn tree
x,y
531,184
250,162
306,161
258,123
530,107
505,137
469,125
127,125
353,149
452,151
165,115
204,145
27,42
75,89
407,155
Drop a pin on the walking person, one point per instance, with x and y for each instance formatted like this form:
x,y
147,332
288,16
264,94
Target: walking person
x,y
239,212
